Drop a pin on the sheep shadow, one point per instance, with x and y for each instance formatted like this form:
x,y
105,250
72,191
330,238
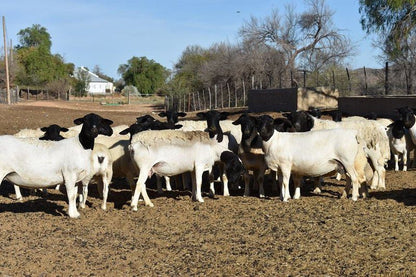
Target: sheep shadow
x,y
407,196
33,206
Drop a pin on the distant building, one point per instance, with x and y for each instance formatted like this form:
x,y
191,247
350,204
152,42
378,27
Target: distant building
x,y
96,84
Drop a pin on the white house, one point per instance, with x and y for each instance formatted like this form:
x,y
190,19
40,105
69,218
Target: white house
x,y
96,85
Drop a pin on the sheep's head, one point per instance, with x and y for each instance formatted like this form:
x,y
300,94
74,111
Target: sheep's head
x,y
94,125
213,118
52,132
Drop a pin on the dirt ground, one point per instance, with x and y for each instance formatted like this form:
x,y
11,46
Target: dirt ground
x,y
318,235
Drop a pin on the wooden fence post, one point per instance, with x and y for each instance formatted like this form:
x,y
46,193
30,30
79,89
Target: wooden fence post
x,y
386,84
229,95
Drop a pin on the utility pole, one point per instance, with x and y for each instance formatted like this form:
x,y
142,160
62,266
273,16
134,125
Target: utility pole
x,y
6,63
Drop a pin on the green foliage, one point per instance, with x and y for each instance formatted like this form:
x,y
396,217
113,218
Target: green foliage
x,y
35,36
37,66
146,75
396,18
81,83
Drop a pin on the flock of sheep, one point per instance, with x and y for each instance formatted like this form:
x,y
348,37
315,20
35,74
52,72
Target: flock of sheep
x,y
296,146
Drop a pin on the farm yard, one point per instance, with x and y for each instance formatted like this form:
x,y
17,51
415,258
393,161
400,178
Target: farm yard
x,y
317,235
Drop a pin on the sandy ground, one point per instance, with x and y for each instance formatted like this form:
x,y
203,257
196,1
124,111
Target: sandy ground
x,y
318,235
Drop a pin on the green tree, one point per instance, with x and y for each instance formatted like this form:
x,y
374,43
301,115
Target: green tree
x,y
38,66
81,83
146,75
394,18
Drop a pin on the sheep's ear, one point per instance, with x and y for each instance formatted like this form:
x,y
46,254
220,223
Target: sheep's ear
x,y
107,121
201,115
162,114
224,115
63,129
238,121
181,114
79,121
125,131
44,129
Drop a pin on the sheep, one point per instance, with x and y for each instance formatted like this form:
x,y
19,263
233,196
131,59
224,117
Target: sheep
x,y
400,143
101,166
172,152
250,153
146,123
48,163
370,131
213,119
283,153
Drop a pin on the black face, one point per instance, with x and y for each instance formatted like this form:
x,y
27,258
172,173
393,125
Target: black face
x,y
265,126
398,129
234,169
172,116
407,116
301,120
52,132
93,125
145,119
315,112
283,125
248,125
213,118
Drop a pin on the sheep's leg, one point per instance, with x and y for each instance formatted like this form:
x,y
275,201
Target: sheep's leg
x,y
338,176
159,184
275,181
224,179
396,162
297,180
19,196
405,160
355,185
168,186
141,188
106,185
82,196
211,184
259,177
285,194
71,191
100,186
347,188
246,184
317,184
198,182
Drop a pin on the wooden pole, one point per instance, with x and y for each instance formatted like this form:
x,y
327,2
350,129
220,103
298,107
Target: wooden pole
x,y
349,79
215,97
365,81
6,62
209,94
222,98
229,95
386,84
244,93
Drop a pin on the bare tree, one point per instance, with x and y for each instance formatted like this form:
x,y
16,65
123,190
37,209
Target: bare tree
x,y
295,34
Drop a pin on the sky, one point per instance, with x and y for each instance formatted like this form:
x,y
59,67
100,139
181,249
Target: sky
x,y
108,33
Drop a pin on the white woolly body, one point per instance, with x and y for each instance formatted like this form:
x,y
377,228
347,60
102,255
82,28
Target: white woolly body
x,y
33,163
172,152
314,153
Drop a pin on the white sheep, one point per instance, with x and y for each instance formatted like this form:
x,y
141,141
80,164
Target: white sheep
x,y
315,153
375,137
400,143
102,171
172,152
49,163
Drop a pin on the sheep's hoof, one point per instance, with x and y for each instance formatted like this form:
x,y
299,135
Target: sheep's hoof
x,y
75,215
134,208
103,207
354,198
150,204
262,196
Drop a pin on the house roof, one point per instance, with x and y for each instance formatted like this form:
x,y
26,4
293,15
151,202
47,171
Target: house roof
x,y
93,77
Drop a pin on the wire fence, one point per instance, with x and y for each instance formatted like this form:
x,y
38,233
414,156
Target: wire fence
x,y
233,94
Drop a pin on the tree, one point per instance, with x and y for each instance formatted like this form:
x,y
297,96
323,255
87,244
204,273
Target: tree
x,y
393,18
146,75
297,34
394,22
37,66
82,82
